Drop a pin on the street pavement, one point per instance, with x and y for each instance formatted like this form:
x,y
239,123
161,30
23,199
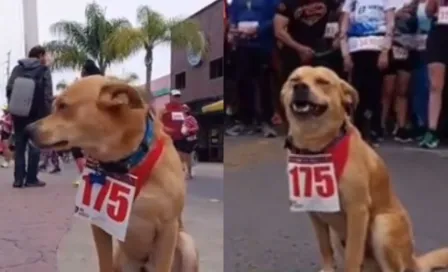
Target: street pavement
x,y
38,232
262,235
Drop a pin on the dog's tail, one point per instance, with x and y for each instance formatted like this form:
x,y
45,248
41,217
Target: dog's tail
x,y
189,253
435,259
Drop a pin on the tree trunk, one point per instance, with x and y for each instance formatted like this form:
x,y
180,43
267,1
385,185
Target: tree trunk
x,y
148,65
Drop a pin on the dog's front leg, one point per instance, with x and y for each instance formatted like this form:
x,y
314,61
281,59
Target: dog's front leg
x,y
357,224
166,246
322,231
104,249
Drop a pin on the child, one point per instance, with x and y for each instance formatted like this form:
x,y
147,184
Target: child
x,y
6,133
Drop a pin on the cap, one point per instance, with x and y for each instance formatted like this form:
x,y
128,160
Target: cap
x,y
175,92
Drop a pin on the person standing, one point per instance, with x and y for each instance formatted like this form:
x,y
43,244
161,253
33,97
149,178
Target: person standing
x,y
29,93
6,137
251,32
437,59
366,38
190,129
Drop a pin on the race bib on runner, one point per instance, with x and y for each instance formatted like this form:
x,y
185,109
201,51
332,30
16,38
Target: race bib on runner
x,y
177,116
420,42
331,29
247,24
312,183
399,53
371,43
107,204
442,16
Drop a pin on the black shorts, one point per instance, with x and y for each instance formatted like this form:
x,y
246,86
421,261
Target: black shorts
x,y
185,146
400,59
437,44
77,153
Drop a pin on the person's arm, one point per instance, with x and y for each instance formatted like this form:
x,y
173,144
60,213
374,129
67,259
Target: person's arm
x,y
344,23
432,7
389,7
281,21
10,83
48,90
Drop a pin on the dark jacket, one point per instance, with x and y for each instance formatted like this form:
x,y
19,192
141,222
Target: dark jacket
x,y
43,98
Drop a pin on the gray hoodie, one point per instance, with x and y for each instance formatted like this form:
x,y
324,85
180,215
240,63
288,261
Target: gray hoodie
x,y
33,66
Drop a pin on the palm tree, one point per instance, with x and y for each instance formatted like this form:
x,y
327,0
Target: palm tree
x,y
126,78
155,29
90,40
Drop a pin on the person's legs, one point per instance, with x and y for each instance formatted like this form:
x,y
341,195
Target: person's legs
x,y
7,153
401,105
31,179
55,162
388,92
246,85
420,95
19,159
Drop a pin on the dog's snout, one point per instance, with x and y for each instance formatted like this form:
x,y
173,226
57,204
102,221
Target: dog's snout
x,y
301,92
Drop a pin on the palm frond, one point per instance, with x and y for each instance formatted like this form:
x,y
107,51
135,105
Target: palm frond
x,y
65,55
70,31
186,33
153,24
127,41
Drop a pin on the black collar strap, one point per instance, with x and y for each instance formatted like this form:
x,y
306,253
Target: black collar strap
x,y
295,150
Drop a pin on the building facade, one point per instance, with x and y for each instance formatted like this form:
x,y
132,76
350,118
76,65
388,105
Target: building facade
x,y
161,91
201,76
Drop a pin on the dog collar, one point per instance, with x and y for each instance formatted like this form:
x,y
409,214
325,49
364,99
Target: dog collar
x,y
338,148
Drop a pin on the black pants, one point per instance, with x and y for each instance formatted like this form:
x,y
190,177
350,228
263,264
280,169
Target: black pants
x,y
253,85
367,80
24,171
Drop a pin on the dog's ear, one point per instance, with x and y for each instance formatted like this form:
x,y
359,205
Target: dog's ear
x,y
118,94
350,96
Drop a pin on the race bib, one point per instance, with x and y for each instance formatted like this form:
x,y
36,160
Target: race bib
x,y
399,53
442,16
247,24
370,43
420,42
312,184
177,116
331,29
106,204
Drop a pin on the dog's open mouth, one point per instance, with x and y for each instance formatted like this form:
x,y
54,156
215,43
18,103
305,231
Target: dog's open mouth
x,y
307,108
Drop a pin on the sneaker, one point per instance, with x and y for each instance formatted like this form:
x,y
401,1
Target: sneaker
x,y
36,183
76,183
403,136
234,130
55,170
268,131
430,140
5,164
379,135
42,167
17,184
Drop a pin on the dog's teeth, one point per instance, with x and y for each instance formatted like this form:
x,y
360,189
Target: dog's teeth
x,y
302,109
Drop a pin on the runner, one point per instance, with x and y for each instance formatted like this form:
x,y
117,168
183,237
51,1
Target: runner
x,y
437,57
420,80
398,74
366,31
190,130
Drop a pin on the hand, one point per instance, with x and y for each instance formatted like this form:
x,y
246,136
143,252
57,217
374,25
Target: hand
x,y
306,54
383,60
336,44
348,63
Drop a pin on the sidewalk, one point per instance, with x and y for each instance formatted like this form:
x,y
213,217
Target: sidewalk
x,y
203,220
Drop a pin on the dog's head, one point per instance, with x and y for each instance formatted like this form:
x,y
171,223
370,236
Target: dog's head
x,y
316,101
104,118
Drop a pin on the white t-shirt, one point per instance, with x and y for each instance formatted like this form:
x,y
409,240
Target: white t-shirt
x,y
367,23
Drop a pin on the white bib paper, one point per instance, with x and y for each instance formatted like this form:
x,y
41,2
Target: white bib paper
x,y
370,43
442,16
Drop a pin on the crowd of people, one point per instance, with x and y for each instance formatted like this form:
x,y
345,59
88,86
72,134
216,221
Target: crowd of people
x,y
29,93
391,51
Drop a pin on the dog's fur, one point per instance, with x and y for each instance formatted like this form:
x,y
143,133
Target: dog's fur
x,y
372,217
107,120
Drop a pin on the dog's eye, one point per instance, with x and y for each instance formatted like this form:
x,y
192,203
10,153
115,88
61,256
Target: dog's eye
x,y
322,81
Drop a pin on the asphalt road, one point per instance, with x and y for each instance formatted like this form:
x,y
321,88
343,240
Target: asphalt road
x,y
33,221
262,235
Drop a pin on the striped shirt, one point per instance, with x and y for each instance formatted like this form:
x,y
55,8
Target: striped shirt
x,y
191,125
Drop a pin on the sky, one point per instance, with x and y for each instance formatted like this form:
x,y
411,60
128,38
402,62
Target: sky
x,y
50,11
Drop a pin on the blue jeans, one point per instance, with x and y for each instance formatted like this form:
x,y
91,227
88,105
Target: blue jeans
x,y
420,93
21,171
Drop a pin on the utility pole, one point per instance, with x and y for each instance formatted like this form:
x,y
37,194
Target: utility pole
x,y
8,64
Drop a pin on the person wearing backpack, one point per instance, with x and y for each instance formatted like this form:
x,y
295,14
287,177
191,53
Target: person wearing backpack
x,y
29,93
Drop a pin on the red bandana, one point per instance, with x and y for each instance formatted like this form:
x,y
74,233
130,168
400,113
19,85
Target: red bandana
x,y
339,154
144,169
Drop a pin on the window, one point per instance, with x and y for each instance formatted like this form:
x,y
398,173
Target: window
x,y
180,81
216,68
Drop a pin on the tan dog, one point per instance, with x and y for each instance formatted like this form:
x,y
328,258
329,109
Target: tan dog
x,y
107,120
372,223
